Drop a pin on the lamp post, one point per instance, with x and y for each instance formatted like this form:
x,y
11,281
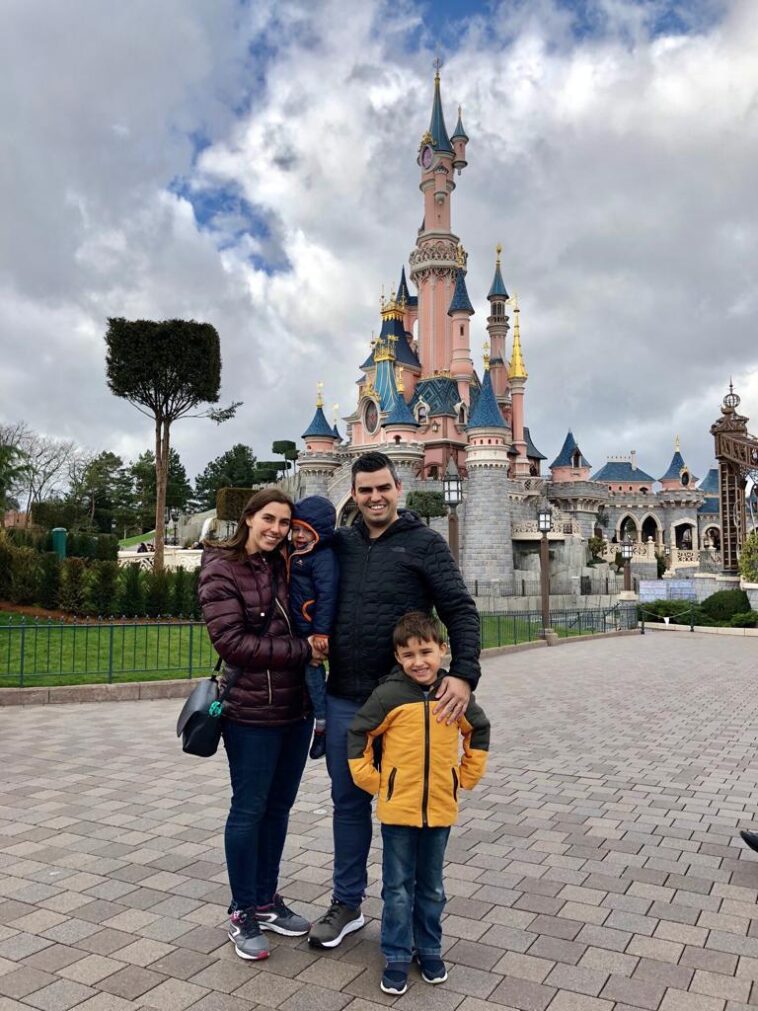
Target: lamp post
x,y
452,489
175,521
545,525
627,550
667,553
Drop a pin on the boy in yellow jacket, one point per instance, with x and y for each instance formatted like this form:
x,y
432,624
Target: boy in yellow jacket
x,y
421,772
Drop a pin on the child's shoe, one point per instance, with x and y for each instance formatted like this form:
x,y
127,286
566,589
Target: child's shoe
x,y
245,933
318,747
395,978
432,968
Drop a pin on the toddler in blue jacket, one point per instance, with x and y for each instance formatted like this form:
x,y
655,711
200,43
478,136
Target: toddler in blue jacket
x,y
314,581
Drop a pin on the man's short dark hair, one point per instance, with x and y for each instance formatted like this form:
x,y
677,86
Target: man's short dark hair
x,y
417,625
369,463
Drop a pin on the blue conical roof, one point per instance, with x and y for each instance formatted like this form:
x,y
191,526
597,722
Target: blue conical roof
x,y
401,414
675,467
531,450
568,449
336,433
486,413
318,427
437,128
460,133
461,302
710,483
403,292
497,289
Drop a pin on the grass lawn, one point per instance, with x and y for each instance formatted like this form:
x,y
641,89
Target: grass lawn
x,y
64,654
132,542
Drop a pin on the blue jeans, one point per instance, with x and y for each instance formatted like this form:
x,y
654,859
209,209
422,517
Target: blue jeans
x,y
352,807
315,682
266,765
412,890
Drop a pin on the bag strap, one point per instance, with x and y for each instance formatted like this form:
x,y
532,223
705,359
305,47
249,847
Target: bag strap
x,y
235,672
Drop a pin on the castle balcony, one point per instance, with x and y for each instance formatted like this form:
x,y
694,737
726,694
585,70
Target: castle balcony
x,y
527,530
645,551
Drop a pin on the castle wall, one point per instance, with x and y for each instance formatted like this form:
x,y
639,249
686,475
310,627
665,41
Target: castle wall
x,y
487,550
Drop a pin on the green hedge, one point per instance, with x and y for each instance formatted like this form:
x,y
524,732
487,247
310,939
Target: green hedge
x,y
78,545
231,501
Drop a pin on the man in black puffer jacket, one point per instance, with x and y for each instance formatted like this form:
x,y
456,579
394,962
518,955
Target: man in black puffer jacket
x,y
390,563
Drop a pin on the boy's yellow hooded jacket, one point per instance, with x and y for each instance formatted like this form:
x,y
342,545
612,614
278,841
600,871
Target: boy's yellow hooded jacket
x,y
421,769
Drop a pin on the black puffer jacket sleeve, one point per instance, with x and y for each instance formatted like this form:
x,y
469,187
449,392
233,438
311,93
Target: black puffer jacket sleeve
x,y
456,610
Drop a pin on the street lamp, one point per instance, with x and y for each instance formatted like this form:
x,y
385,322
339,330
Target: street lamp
x,y
627,550
452,490
667,553
545,525
175,520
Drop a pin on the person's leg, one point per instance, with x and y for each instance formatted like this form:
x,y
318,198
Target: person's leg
x,y
315,682
399,850
285,782
352,808
253,755
429,902
352,832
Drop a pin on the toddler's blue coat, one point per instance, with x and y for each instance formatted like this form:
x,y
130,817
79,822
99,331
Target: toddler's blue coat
x,y
314,573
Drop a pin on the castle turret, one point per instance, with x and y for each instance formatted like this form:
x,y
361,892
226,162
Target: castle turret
x,y
487,553
497,329
400,425
461,310
517,377
570,465
320,459
678,474
460,140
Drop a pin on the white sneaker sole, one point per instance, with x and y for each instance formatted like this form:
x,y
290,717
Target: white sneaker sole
x,y
282,930
349,928
434,982
395,991
243,954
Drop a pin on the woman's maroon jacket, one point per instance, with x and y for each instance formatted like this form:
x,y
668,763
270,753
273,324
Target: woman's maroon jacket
x,y
236,597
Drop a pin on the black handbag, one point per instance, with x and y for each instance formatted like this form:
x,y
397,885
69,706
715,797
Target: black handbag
x,y
199,723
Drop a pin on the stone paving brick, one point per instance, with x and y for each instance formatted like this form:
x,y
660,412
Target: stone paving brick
x,y
565,1001
24,980
59,996
523,994
678,1000
578,979
643,993
131,982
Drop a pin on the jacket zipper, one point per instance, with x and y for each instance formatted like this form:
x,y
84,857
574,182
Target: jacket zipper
x,y
425,797
356,612
455,785
391,784
270,694
286,616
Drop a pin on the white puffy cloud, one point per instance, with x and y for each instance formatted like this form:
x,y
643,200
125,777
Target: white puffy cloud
x,y
615,167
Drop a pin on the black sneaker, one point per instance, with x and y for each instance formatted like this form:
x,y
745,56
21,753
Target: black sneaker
x,y
432,968
281,919
751,839
338,921
395,978
245,932
318,747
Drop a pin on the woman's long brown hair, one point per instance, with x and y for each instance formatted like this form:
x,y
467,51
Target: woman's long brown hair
x,y
235,544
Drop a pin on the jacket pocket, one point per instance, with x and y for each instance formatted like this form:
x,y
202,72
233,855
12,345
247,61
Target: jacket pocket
x,y
455,784
391,784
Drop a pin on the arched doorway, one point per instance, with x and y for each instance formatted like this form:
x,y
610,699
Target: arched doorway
x,y
627,528
651,528
685,536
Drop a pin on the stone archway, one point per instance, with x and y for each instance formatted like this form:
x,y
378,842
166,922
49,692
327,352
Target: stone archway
x,y
628,526
684,535
651,528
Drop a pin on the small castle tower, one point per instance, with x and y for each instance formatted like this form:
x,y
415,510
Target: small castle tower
x,y
320,459
678,474
461,310
517,377
570,464
400,424
497,329
487,550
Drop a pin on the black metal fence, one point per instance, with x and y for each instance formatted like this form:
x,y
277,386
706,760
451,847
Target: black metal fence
x,y
609,584
40,653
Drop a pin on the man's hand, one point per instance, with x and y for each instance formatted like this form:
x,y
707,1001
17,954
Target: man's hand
x,y
453,697
318,655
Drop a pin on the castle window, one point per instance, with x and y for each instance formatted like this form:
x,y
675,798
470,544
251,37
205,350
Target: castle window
x,y
575,458
461,330
497,309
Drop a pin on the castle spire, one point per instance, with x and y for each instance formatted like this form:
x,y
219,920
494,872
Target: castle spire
x,y
517,369
460,302
497,289
437,128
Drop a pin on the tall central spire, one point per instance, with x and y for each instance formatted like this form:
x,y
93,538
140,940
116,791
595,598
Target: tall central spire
x,y
437,128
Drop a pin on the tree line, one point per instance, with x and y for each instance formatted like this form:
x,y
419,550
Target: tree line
x,y
60,484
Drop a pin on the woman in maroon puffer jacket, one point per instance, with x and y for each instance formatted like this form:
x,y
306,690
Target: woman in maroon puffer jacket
x,y
266,726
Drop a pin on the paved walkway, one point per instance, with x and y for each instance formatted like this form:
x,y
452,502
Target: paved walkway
x,y
595,869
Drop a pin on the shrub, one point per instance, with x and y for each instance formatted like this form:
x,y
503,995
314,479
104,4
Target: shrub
x,y
102,588
231,501
195,610
49,580
747,620
660,562
131,598
158,594
71,593
182,598
749,558
723,605
6,554
24,575
656,610
106,548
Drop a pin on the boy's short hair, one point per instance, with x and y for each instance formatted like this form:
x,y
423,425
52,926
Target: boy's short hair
x,y
371,462
417,625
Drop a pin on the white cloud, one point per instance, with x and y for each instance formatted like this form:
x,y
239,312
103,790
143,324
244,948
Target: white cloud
x,y
617,171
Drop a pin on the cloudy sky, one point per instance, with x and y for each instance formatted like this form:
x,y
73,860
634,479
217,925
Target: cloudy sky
x,y
253,165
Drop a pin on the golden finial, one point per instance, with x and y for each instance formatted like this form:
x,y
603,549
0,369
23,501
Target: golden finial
x,y
517,369
399,383
437,66
460,255
498,251
486,355
677,445
319,394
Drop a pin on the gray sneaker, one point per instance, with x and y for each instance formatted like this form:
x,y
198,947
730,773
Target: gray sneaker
x,y
245,932
281,919
338,921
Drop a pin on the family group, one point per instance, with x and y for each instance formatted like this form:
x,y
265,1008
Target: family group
x,y
286,593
